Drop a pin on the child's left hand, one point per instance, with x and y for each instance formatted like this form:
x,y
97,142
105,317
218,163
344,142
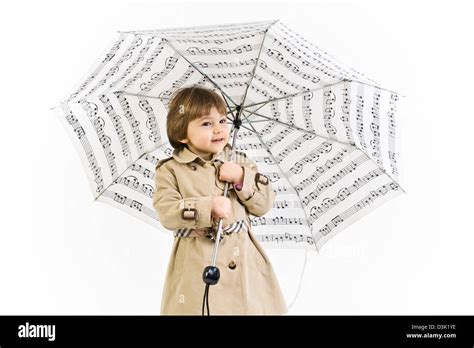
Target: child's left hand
x,y
231,172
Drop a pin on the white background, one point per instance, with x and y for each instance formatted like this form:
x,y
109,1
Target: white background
x,y
62,254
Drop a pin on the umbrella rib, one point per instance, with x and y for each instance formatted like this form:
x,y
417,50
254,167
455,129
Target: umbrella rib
x,y
141,95
319,88
326,138
247,128
256,121
231,109
296,94
310,225
286,124
256,63
130,94
195,67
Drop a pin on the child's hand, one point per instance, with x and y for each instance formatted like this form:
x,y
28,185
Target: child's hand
x,y
221,207
231,172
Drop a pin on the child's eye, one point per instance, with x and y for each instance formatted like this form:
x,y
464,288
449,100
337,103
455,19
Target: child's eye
x,y
222,121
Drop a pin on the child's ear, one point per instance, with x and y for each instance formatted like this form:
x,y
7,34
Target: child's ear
x,y
184,141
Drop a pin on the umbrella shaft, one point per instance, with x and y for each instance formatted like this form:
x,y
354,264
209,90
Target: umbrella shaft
x,y
226,188
219,231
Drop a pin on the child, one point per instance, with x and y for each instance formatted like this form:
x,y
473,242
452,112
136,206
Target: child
x,y
189,200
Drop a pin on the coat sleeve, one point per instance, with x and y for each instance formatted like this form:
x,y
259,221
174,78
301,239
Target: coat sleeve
x,y
169,203
257,194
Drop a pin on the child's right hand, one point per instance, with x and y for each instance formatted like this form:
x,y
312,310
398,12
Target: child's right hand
x,y
221,207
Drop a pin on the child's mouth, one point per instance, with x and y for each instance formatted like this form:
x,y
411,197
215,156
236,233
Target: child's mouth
x,y
218,140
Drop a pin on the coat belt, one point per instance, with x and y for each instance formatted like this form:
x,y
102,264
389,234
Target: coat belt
x,y
212,231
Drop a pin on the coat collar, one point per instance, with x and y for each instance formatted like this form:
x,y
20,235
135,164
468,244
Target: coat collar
x,y
187,156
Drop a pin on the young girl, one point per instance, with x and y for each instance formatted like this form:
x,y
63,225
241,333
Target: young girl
x,y
189,200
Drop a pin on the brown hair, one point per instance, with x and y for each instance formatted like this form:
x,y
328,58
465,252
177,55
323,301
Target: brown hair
x,y
186,105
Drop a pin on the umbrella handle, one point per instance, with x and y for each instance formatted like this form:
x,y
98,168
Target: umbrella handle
x,y
221,220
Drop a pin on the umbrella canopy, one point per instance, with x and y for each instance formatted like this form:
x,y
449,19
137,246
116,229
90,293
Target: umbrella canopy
x,y
323,133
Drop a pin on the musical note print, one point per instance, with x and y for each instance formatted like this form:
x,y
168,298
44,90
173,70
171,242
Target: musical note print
x,y
391,133
320,170
333,180
98,122
345,113
312,157
116,121
329,112
365,202
286,237
330,202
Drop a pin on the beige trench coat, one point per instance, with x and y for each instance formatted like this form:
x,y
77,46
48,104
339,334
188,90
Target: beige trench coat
x,y
248,284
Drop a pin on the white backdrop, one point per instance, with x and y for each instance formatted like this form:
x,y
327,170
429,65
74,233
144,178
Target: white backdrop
x,y
62,254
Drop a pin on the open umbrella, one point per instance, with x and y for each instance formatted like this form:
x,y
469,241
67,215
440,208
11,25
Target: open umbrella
x,y
323,133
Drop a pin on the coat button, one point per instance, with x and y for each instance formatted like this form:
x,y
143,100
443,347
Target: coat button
x,y
193,167
232,264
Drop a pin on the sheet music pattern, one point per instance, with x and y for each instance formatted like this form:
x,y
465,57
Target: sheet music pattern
x,y
331,184
349,112
329,146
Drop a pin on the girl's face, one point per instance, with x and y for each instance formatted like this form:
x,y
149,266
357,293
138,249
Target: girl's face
x,y
202,131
